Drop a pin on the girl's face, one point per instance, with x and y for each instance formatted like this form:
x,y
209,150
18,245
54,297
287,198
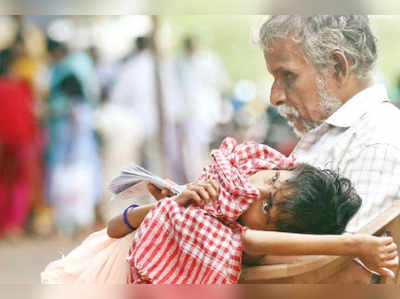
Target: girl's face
x,y
258,216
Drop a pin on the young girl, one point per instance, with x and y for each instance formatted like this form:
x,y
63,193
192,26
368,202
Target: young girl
x,y
180,242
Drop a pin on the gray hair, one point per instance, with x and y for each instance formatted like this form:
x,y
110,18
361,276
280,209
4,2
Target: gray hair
x,y
320,35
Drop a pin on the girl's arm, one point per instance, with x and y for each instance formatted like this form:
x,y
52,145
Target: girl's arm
x,y
376,253
116,227
197,193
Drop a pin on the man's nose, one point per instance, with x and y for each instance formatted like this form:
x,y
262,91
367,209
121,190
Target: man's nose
x,y
277,95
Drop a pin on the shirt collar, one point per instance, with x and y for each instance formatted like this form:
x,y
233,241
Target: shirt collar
x,y
352,110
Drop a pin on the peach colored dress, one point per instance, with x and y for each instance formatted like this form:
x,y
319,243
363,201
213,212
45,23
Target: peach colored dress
x,y
98,260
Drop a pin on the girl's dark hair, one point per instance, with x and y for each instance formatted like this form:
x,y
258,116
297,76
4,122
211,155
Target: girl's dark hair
x,y
316,202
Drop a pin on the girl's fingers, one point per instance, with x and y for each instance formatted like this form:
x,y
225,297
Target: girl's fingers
x,y
208,191
385,272
211,190
391,255
387,240
155,192
215,185
201,192
166,193
391,247
194,196
394,262
184,198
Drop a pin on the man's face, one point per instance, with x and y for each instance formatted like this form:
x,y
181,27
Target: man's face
x,y
299,91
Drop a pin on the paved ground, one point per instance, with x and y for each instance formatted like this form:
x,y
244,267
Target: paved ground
x,y
21,261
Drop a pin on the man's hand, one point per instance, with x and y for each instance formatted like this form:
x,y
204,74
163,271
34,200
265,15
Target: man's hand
x,y
199,193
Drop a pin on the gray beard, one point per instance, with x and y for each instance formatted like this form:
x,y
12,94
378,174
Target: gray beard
x,y
328,105
289,111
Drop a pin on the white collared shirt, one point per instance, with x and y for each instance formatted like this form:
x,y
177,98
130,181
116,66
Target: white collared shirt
x,y
361,141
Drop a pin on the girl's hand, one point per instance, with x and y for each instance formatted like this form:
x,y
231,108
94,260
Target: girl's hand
x,y
379,254
158,193
199,193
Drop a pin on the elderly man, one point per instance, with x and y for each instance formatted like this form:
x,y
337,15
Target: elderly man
x,y
322,68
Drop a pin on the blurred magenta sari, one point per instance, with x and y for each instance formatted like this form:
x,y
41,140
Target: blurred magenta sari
x,y
19,153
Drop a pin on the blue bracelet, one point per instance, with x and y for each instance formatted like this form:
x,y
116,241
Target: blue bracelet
x,y
126,216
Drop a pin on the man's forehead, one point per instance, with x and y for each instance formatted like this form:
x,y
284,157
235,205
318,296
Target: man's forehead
x,y
284,53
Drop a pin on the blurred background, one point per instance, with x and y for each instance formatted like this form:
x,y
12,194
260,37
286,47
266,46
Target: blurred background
x,y
83,96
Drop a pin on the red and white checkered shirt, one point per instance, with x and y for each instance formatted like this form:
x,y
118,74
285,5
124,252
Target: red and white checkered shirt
x,y
202,244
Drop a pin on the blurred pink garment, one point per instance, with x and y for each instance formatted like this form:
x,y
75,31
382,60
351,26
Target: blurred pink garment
x,y
17,120
15,186
99,259
14,205
19,153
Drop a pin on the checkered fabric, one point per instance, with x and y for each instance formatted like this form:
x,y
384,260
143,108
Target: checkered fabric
x,y
360,141
202,244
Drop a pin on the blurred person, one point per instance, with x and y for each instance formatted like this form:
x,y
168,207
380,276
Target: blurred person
x,y
133,103
130,117
323,84
106,72
202,81
32,70
66,63
134,93
77,180
19,148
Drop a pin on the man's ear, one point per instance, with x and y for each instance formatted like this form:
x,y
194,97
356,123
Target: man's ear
x,y
341,67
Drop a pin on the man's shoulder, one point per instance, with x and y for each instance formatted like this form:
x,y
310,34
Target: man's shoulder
x,y
380,125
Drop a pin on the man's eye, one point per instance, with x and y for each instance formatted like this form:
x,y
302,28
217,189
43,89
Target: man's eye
x,y
289,77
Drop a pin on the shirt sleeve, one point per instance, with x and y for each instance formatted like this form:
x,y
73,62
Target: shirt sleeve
x,y
375,174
